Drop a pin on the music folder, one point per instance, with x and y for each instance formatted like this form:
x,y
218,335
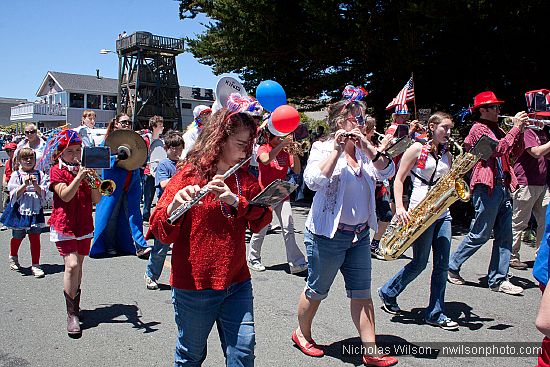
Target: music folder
x,y
96,157
274,193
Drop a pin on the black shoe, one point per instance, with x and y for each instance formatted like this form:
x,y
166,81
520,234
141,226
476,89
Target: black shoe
x,y
446,324
391,308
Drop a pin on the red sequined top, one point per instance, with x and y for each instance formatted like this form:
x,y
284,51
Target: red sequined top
x,y
209,249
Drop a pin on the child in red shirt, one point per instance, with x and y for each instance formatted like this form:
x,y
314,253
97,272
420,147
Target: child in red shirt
x,y
273,164
71,223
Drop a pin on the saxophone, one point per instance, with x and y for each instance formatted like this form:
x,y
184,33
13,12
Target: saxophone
x,y
399,237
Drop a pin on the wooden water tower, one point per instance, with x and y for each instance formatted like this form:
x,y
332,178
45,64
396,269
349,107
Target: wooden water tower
x,y
148,79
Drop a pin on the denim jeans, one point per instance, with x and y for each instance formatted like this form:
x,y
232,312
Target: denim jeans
x,y
231,310
488,208
328,255
438,238
156,260
148,195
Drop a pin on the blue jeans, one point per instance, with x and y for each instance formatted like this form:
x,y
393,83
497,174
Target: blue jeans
x,y
328,255
156,260
438,238
148,194
487,209
231,309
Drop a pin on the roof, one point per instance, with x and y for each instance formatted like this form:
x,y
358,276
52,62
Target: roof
x,y
82,83
12,100
187,93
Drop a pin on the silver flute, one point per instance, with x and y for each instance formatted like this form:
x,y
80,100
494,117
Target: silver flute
x,y
180,210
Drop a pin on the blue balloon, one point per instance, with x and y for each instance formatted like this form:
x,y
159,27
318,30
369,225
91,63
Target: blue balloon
x,y
271,95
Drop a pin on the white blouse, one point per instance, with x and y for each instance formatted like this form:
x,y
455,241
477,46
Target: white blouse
x,y
326,210
30,202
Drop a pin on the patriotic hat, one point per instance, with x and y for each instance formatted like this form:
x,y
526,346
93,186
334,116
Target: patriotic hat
x,y
484,99
401,109
538,102
199,110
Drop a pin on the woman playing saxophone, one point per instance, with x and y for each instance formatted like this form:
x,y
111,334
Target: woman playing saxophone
x,y
426,163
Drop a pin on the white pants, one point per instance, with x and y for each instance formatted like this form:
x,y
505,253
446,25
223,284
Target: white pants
x,y
527,199
294,256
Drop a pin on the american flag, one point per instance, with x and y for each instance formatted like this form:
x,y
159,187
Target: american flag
x,y
405,95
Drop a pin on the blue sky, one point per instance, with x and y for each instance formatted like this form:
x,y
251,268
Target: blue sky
x,y
66,36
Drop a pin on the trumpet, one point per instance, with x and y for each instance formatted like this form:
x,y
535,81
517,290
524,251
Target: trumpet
x,y
295,147
106,187
535,124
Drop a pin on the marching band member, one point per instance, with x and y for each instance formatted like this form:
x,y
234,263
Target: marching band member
x,y
274,163
426,163
209,276
71,223
119,224
541,272
491,184
383,209
341,170
532,195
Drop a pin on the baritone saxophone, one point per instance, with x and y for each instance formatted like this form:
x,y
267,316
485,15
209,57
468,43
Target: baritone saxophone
x,y
451,187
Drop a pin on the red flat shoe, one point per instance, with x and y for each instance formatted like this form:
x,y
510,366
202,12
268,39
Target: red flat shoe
x,y
382,361
309,348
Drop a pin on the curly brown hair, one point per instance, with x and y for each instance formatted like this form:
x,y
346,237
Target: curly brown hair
x,y
202,159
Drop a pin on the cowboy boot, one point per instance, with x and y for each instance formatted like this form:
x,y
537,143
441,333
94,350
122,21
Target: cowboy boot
x,y
77,303
73,324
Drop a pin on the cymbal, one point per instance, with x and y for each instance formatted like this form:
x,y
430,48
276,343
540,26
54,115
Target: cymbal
x,y
130,141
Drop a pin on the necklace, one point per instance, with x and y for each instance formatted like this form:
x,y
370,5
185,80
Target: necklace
x,y
223,205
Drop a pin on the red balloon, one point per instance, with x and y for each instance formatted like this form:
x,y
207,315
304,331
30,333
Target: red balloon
x,y
285,119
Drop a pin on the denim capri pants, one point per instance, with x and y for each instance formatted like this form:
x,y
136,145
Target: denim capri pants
x,y
328,255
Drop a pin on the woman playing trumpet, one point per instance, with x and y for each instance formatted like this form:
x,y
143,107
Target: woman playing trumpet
x,y
71,223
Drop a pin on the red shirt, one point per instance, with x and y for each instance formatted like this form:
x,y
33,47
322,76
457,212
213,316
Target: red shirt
x,y
277,169
484,171
528,169
209,249
73,218
8,170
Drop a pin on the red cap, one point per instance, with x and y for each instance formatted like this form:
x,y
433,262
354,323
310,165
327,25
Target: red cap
x,y
11,146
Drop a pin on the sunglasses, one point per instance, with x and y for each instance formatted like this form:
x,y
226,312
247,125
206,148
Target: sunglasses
x,y
494,107
29,132
124,122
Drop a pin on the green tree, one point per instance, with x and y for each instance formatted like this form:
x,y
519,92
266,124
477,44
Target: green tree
x,y
315,47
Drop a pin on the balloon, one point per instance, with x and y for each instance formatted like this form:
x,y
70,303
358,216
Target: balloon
x,y
285,119
274,131
270,94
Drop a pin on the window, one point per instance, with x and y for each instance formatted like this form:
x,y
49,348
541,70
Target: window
x,y
61,99
186,106
109,102
93,101
76,100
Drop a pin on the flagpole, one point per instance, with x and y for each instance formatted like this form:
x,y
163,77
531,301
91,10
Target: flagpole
x,y
414,100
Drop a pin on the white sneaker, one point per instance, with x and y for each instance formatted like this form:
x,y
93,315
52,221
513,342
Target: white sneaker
x,y
255,265
508,288
37,272
14,263
295,269
150,283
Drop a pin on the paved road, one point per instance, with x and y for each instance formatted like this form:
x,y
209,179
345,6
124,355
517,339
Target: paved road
x,y
127,325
